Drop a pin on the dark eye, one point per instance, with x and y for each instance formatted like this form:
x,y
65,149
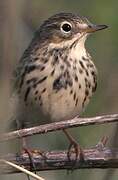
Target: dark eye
x,y
66,27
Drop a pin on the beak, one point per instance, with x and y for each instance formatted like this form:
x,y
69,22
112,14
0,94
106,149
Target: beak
x,y
92,28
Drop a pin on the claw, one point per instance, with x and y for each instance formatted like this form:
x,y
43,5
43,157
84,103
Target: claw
x,y
77,149
101,144
30,154
32,164
74,146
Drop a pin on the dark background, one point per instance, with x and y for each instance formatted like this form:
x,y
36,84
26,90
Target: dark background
x,y
18,20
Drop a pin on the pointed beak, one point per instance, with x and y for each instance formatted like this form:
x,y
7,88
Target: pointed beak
x,y
92,28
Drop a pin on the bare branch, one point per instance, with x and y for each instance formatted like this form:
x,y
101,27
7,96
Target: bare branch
x,y
59,125
22,169
55,160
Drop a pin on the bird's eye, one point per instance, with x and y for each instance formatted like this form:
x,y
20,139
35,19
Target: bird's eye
x,y
66,27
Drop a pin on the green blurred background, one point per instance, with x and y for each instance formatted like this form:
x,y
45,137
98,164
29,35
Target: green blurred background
x,y
18,20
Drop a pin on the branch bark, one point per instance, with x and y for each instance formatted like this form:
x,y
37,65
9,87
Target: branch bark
x,y
93,158
59,126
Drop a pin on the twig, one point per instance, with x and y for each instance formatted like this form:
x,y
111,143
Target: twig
x,y
55,160
22,169
59,125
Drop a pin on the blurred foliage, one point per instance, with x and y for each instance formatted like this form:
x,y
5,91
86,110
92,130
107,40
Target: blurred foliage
x,y
18,21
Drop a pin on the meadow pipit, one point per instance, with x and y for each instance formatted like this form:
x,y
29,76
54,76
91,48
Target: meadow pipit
x,y
56,77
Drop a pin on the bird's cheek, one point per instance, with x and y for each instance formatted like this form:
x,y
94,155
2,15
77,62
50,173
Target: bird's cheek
x,y
56,39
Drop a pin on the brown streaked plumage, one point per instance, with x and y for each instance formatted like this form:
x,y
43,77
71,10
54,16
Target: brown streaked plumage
x,y
56,77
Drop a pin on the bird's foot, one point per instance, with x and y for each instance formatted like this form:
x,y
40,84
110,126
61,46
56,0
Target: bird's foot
x,y
31,154
101,144
74,147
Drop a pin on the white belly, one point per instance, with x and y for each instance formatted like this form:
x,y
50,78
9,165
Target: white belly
x,y
63,104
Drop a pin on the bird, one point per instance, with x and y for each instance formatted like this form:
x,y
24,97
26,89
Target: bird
x,y
56,76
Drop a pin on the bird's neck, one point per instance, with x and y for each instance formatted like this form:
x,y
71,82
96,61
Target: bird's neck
x,y
75,45
78,49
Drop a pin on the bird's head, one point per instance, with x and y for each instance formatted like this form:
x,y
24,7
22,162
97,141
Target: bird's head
x,y
67,28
